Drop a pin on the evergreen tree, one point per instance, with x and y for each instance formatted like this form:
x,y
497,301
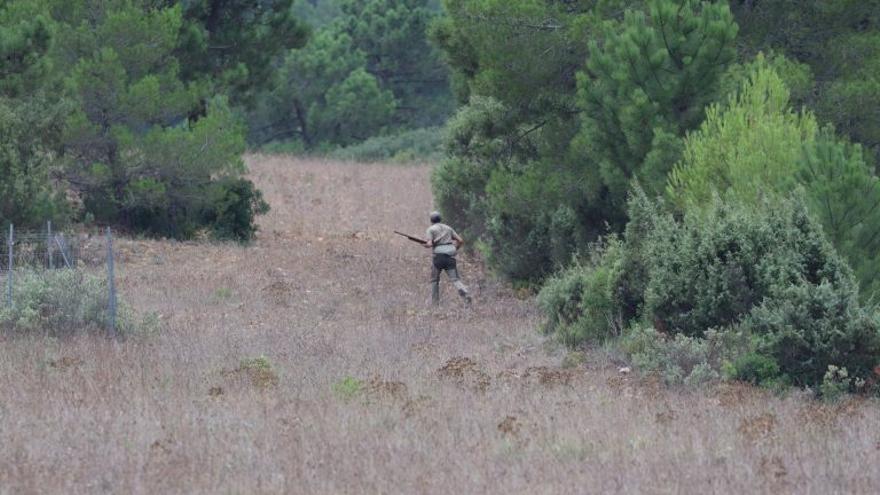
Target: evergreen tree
x,y
30,117
646,85
233,43
839,41
133,155
755,145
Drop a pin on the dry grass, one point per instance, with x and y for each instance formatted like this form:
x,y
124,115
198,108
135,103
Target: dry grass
x,y
366,390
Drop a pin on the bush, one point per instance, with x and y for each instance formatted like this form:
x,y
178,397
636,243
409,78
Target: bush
x,y
64,302
754,368
582,302
681,359
810,327
783,305
408,146
713,267
231,208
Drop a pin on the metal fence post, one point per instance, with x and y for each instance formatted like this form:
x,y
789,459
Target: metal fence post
x,y
9,244
49,244
111,304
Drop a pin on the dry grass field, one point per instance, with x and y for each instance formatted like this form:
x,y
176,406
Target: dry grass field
x,y
365,389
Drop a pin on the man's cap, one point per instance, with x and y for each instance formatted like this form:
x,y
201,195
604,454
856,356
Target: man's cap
x,y
435,217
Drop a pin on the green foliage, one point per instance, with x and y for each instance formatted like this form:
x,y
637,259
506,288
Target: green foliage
x,y
534,179
754,368
647,84
64,302
24,43
136,155
755,145
392,36
325,95
680,359
232,44
407,146
808,327
713,267
347,388
840,42
755,291
836,383
582,303
366,72
30,121
231,205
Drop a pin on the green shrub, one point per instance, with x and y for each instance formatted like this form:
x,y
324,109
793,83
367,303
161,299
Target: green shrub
x,y
682,359
809,327
755,145
754,368
782,303
712,268
582,303
407,146
836,382
64,302
232,205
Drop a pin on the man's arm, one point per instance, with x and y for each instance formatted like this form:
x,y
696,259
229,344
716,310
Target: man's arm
x,y
430,242
457,240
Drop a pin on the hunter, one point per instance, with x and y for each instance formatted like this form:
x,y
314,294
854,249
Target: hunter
x,y
444,243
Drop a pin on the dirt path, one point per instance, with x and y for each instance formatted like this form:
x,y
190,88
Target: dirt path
x,y
365,389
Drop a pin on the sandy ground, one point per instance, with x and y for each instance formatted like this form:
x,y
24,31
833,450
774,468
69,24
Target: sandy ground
x,y
366,389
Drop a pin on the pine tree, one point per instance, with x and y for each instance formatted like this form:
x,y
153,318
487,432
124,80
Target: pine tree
x,y
647,84
30,119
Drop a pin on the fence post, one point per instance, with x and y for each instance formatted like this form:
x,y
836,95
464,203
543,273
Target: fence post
x,y
111,303
49,244
9,244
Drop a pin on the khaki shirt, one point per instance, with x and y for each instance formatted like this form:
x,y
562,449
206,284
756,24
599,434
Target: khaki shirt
x,y
441,236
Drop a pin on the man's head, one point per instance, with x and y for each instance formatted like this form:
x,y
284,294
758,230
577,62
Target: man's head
x,y
435,217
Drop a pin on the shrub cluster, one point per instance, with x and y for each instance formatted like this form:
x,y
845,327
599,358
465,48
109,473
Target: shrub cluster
x,y
64,302
407,146
757,293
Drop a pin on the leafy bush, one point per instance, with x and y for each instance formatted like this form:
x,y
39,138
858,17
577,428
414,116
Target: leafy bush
x,y
231,207
754,368
713,267
64,302
809,327
755,145
681,359
414,145
582,302
781,303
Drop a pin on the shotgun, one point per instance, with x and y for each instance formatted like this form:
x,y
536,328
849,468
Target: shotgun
x,y
414,239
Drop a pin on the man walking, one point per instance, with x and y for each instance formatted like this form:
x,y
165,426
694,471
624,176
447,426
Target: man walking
x,y
444,243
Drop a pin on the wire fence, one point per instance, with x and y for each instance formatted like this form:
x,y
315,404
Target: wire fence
x,y
49,250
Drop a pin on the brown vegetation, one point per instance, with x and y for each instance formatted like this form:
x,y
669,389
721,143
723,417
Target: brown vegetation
x,y
453,400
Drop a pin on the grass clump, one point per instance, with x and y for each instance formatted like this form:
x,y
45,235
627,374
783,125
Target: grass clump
x,y
347,388
260,371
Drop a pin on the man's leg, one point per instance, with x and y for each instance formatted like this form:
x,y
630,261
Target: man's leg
x,y
452,272
435,284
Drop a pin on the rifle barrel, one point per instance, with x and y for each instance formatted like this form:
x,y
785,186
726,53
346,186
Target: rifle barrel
x,y
412,238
